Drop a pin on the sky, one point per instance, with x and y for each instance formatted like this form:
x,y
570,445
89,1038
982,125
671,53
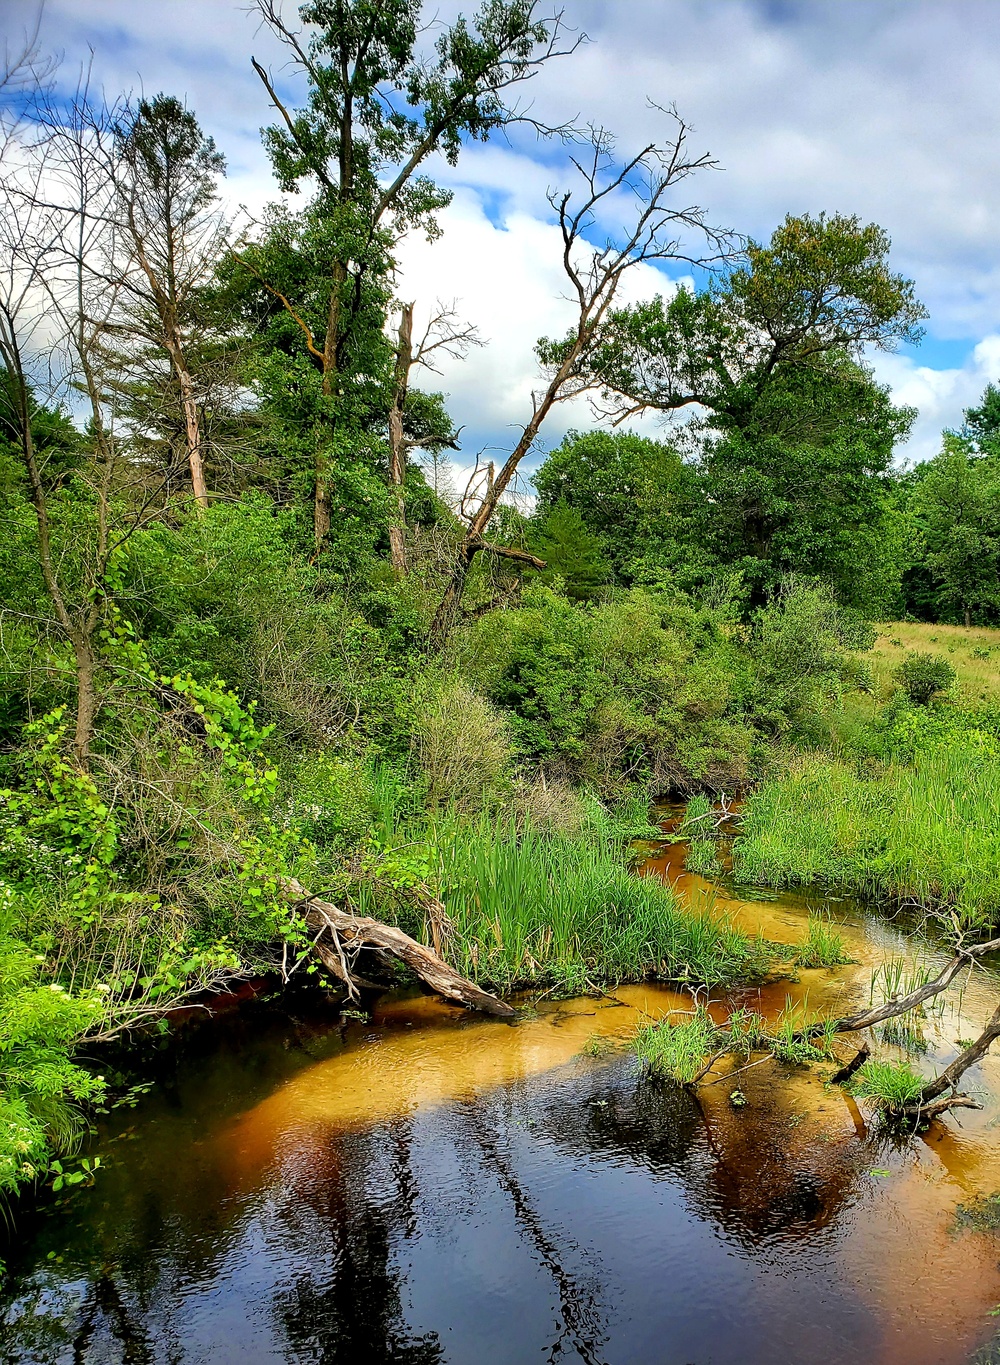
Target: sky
x,y
883,108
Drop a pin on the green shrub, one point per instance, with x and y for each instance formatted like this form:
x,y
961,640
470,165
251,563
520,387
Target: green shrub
x,y
463,746
923,676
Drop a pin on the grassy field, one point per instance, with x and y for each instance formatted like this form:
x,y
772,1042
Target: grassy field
x,y
973,653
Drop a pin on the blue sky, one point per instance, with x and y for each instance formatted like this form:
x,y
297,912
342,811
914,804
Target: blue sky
x,y
886,108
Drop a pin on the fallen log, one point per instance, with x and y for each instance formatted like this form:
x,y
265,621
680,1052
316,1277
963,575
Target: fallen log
x,y
349,933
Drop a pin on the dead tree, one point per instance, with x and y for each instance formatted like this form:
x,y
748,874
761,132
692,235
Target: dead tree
x,y
655,230
445,335
170,237
340,935
56,234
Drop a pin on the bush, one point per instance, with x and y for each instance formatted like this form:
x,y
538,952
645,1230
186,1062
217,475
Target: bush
x,y
464,747
923,676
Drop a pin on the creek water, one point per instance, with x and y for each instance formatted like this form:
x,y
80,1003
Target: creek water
x,y
428,1186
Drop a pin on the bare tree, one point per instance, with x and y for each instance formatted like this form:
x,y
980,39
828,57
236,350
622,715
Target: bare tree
x,y
56,304
653,231
171,237
443,335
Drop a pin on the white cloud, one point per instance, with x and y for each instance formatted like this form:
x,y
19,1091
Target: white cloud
x,y
509,281
886,108
940,396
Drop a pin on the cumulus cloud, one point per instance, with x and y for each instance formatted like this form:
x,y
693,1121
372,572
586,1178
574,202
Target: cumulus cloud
x,y
940,396
887,109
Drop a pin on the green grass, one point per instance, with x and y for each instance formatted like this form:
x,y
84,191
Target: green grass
x,y
821,947
528,907
677,1050
927,832
680,1049
888,1085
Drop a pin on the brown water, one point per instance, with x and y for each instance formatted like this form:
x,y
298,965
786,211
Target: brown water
x,y
431,1186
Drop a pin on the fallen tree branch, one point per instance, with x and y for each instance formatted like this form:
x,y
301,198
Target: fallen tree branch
x,y
851,1023
362,932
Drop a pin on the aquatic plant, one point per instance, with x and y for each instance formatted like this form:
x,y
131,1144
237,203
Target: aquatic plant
x,y
821,947
677,1049
981,1214
890,1086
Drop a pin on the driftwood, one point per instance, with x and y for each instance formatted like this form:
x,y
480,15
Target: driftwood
x,y
934,1098
339,934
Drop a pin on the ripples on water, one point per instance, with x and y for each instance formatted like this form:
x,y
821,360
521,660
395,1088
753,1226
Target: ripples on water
x,y
432,1187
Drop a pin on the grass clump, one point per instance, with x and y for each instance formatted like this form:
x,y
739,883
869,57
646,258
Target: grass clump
x,y
680,1050
821,947
890,1086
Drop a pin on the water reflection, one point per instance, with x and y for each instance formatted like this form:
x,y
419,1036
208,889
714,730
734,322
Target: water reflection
x,y
432,1187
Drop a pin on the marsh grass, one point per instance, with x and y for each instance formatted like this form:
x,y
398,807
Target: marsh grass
x,y
680,1048
924,832
677,1049
889,1086
528,907
821,947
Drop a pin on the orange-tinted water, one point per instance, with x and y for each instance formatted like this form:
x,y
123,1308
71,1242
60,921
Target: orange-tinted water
x,y
428,1185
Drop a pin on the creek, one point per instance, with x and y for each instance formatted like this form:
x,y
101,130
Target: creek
x,y
425,1185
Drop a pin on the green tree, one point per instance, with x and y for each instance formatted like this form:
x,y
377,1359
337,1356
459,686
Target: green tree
x,y
170,240
956,505
798,437
376,109
570,550
632,493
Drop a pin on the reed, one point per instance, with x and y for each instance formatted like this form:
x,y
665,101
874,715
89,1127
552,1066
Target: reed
x,y
529,906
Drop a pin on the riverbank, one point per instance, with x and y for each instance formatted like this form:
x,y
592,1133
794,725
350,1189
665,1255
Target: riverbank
x,y
422,1184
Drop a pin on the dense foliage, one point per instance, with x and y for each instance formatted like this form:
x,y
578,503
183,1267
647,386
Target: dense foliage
x,y
224,662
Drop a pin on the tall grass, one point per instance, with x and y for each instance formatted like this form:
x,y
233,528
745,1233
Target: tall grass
x,y
527,906
927,832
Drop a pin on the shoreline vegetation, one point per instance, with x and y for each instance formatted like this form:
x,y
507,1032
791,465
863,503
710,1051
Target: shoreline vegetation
x,y
278,698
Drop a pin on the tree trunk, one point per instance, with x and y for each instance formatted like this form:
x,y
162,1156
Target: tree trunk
x,y
192,426
86,697
331,371
397,441
356,932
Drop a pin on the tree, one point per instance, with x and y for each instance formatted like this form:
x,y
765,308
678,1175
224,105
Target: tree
x,y
798,437
654,230
632,493
58,299
414,418
956,505
571,552
376,110
172,237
